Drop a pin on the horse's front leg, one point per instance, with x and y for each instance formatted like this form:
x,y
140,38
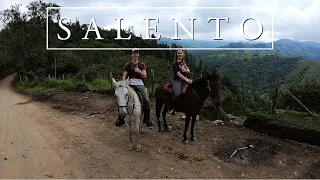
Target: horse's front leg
x,y
128,122
138,127
164,115
186,125
194,117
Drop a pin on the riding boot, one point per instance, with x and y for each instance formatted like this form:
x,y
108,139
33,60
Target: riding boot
x,y
174,103
146,118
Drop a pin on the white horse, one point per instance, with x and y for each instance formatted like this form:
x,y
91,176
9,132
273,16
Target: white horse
x,y
129,108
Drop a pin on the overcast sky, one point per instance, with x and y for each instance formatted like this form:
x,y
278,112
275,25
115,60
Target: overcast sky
x,y
293,19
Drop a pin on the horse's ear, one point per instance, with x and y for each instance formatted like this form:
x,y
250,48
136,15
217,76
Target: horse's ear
x,y
128,81
114,82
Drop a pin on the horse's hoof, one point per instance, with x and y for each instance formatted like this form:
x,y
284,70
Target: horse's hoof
x,y
138,148
185,141
159,130
193,139
130,147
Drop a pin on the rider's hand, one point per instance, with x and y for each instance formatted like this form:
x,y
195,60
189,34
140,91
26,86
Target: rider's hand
x,y
184,69
137,70
189,81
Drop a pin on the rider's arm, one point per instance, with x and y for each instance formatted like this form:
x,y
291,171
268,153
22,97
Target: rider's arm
x,y
124,75
143,71
182,77
143,74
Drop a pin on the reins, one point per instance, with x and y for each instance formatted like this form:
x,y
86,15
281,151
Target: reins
x,y
199,98
126,106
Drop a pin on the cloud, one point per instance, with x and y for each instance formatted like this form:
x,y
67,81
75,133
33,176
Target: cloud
x,y
294,19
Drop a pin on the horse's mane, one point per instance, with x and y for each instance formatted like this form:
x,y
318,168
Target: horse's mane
x,y
134,95
203,80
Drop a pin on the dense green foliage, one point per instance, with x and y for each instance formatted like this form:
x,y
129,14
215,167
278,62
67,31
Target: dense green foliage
x,y
246,78
23,49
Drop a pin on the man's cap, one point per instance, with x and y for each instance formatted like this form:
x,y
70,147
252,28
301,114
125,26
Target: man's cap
x,y
135,50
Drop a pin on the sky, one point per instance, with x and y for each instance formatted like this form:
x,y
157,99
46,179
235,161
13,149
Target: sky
x,y
280,19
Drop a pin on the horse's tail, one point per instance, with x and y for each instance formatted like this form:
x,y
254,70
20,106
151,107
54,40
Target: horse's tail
x,y
159,104
159,101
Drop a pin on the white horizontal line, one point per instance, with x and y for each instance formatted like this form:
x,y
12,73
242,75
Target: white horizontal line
x,y
151,7
153,49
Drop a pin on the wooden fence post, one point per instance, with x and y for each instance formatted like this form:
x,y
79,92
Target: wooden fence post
x,y
270,100
110,79
152,82
243,102
276,96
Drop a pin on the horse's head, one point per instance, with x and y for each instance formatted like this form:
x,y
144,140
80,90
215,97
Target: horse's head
x,y
214,86
121,93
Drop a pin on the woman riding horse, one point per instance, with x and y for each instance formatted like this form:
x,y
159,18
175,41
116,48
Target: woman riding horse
x,y
180,71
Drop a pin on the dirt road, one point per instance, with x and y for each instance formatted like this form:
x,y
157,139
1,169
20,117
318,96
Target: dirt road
x,y
37,140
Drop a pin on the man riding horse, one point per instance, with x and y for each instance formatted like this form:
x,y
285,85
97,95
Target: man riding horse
x,y
136,71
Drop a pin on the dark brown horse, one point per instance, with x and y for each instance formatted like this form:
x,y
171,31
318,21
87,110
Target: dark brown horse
x,y
192,100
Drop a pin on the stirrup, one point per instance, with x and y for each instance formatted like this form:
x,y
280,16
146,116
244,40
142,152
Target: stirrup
x,y
172,112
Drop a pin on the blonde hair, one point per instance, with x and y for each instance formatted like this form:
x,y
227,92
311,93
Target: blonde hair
x,y
176,56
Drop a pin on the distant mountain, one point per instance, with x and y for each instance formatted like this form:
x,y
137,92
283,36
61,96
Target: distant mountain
x,y
189,43
308,50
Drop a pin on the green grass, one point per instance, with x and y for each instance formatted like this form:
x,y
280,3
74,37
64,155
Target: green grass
x,y
36,88
293,119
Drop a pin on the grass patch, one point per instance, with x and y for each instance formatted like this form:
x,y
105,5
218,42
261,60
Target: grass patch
x,y
292,119
40,88
34,90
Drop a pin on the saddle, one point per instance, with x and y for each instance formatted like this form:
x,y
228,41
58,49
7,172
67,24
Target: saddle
x,y
139,95
168,87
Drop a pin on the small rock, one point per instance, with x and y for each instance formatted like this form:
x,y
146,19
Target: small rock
x,y
242,174
300,162
251,146
99,158
83,142
170,127
23,155
50,175
219,167
218,122
5,158
140,171
172,169
231,116
207,121
159,151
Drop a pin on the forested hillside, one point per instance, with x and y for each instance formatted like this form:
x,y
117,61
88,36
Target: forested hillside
x,y
246,77
23,48
284,47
